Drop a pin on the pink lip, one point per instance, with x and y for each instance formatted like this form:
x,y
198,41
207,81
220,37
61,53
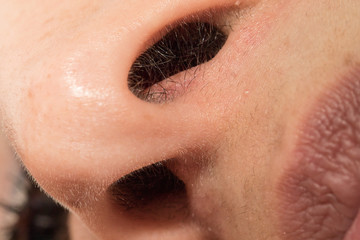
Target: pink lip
x,y
320,192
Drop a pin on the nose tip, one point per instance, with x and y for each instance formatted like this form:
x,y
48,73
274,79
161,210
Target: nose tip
x,y
91,115
89,111
92,130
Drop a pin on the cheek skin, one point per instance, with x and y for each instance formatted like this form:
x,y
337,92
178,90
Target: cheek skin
x,y
257,149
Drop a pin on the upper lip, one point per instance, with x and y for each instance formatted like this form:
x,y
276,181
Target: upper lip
x,y
320,189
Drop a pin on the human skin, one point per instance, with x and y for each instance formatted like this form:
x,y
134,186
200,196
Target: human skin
x,y
242,133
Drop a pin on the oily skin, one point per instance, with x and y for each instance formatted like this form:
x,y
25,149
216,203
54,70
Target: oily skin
x,y
66,109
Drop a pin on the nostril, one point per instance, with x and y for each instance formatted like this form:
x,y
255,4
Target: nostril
x,y
150,191
186,46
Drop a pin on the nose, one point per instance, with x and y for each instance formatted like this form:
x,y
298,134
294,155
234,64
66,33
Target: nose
x,y
92,130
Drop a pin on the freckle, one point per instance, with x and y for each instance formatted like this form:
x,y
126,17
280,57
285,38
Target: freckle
x,y
147,117
45,36
350,60
49,20
30,94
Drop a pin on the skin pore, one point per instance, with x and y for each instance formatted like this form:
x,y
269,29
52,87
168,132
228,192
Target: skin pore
x,y
255,137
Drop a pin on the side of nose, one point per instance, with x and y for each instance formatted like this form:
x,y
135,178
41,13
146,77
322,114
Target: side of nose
x,y
92,130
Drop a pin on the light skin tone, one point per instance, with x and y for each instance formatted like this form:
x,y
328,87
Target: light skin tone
x,y
247,136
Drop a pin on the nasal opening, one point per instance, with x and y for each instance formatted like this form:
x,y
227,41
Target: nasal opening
x,y
184,46
152,192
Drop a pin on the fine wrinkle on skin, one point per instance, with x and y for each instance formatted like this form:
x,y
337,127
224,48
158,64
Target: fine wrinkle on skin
x,y
319,194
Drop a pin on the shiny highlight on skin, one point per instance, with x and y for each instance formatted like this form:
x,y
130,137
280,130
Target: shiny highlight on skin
x,y
319,193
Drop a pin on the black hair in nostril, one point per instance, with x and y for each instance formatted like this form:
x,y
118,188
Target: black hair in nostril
x,y
184,47
146,186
